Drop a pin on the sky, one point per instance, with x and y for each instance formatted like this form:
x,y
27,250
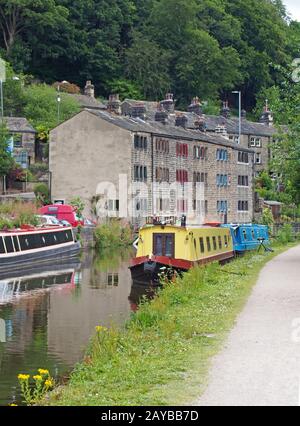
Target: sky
x,y
293,7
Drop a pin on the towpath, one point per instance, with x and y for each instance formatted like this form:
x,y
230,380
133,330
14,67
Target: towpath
x,y
260,364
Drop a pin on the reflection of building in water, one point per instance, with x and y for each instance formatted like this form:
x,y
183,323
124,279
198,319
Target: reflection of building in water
x,y
103,301
2,331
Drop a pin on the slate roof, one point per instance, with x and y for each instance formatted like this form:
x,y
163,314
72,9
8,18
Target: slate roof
x,y
164,130
19,125
212,121
88,102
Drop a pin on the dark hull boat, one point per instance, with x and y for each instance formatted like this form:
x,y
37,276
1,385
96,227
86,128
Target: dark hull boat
x,y
24,249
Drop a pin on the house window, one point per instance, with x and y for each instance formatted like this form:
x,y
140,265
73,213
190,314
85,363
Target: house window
x,y
140,142
222,180
162,146
162,174
243,181
182,176
182,150
243,157
258,158
17,140
140,174
222,155
222,206
243,206
255,142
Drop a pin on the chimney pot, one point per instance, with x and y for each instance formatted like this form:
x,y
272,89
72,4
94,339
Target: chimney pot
x,y
89,89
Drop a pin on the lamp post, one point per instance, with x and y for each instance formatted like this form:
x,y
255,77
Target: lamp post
x,y
238,92
58,98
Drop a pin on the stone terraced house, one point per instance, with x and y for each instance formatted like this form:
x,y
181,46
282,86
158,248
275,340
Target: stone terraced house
x,y
136,150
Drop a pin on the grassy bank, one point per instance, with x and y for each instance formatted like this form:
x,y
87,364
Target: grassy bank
x,y
162,356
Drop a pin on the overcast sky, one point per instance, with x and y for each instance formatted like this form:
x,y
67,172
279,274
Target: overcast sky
x,y
293,6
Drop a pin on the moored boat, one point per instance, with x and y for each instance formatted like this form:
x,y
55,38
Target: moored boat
x,y
248,237
167,247
23,248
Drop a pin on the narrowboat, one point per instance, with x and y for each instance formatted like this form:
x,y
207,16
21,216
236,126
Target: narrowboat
x,y
23,248
168,247
248,237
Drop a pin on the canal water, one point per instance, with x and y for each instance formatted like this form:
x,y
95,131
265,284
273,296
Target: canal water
x,y
48,315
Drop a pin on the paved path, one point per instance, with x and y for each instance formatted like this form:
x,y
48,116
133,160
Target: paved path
x,y
260,364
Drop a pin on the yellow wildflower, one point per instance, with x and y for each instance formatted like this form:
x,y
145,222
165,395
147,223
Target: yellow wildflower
x,y
99,328
13,405
49,383
38,378
23,377
43,372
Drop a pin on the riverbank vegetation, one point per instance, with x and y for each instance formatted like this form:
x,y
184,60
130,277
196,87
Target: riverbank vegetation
x,y
15,214
112,234
162,355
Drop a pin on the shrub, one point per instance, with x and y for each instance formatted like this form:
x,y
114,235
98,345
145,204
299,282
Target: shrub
x,y
42,194
113,234
285,234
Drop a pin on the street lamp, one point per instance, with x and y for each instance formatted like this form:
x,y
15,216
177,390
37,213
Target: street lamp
x,y
58,98
238,92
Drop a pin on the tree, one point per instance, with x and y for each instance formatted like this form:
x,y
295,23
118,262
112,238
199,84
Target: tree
x,y
148,64
20,19
6,160
42,108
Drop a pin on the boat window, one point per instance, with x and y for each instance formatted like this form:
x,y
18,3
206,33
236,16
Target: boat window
x,y
201,241
195,245
163,245
253,234
2,249
208,243
220,242
9,244
245,234
16,244
225,240
215,243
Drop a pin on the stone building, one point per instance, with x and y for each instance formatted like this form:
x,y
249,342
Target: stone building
x,y
21,140
140,159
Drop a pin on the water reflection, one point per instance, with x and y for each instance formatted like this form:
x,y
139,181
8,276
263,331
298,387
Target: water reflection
x,y
48,315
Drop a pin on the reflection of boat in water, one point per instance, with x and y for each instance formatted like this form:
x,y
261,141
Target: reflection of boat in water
x,y
22,248
141,290
61,276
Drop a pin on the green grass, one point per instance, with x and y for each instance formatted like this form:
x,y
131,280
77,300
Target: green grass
x,y
163,354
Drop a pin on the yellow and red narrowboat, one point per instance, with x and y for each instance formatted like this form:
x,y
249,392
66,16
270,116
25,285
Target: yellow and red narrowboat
x,y
162,247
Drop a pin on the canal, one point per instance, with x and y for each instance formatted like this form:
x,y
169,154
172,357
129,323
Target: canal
x,y
48,315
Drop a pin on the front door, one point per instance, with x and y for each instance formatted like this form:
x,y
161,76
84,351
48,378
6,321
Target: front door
x,y
164,245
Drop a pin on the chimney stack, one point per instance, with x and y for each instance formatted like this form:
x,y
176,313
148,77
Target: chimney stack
x,y
200,124
181,121
195,106
161,115
138,110
225,111
168,104
267,116
89,89
114,104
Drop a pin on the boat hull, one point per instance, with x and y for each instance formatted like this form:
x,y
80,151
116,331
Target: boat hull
x,y
26,261
143,269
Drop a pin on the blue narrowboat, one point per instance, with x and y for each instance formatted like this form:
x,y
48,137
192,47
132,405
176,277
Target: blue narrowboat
x,y
248,237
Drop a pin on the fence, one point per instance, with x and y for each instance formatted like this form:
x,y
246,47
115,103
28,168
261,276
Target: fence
x,y
277,227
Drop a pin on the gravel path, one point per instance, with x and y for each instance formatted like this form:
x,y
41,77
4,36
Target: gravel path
x,y
260,364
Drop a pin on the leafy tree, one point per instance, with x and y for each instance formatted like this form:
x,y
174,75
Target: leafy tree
x,y
125,88
14,99
148,64
6,160
42,107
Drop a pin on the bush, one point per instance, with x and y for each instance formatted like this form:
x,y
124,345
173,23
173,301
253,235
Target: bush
x,y
113,234
42,194
285,234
